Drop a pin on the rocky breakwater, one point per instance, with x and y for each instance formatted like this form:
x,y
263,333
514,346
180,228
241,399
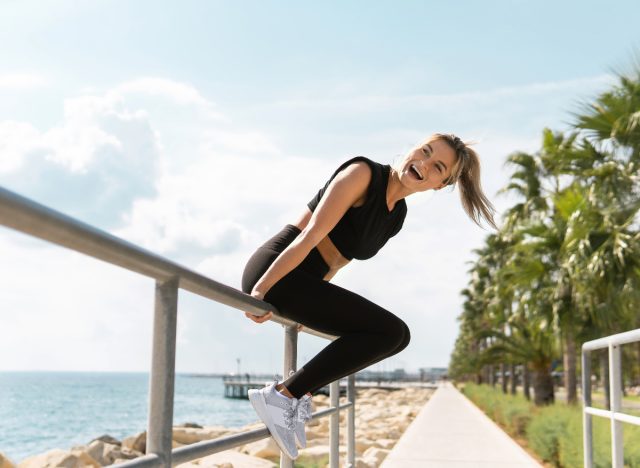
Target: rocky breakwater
x,y
381,418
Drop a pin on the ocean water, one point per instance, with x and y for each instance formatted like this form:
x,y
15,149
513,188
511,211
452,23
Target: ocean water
x,y
40,411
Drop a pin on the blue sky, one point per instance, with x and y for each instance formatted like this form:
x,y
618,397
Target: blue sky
x,y
198,129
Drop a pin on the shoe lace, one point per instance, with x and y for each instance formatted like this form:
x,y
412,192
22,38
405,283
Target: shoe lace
x,y
304,410
290,414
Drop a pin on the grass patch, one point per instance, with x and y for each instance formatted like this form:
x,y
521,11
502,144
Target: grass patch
x,y
553,432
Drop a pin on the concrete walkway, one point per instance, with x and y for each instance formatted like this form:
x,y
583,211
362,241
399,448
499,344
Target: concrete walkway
x,y
449,432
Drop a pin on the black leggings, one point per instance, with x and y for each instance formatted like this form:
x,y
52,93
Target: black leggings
x,y
367,332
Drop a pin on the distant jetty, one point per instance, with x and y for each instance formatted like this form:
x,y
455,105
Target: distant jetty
x,y
238,386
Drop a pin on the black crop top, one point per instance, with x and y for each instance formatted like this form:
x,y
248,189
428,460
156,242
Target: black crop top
x,y
363,230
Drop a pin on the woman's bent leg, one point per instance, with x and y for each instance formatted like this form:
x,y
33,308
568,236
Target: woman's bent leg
x,y
367,332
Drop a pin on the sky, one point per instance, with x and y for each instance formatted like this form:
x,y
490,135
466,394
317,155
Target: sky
x,y
198,129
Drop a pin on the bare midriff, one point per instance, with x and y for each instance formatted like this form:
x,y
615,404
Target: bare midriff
x,y
329,252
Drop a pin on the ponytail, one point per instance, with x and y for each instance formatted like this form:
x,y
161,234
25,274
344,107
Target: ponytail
x,y
466,172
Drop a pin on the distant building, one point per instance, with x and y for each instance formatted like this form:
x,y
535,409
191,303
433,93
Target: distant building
x,y
382,376
432,374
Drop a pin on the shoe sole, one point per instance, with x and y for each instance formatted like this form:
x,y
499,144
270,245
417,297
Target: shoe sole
x,y
260,406
299,443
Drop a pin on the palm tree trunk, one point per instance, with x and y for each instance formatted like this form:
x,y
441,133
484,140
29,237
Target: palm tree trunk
x,y
570,381
503,376
604,379
526,381
514,381
543,385
492,376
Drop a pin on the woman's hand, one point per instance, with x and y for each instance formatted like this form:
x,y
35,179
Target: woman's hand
x,y
258,318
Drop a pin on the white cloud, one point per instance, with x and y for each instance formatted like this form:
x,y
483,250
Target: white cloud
x,y
17,141
182,94
21,81
62,310
365,103
151,161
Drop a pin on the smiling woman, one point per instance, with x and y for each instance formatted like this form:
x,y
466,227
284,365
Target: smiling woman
x,y
358,210
443,160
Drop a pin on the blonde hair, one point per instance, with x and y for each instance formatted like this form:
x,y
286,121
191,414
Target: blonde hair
x,y
466,172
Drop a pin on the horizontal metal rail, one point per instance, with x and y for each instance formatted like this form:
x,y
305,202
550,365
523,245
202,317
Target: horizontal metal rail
x,y
39,221
32,218
612,344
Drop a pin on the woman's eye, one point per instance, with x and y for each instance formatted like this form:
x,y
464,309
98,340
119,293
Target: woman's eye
x,y
426,153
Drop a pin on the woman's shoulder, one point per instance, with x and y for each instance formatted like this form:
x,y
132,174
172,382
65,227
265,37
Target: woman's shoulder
x,y
363,162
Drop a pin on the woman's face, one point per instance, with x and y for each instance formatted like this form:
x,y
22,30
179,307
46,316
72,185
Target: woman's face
x,y
428,166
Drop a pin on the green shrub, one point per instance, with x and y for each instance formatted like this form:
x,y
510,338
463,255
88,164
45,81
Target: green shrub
x,y
631,445
546,430
571,446
517,417
554,432
511,411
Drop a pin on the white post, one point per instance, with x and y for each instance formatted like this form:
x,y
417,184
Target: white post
x,y
334,434
351,422
586,402
615,385
290,364
163,365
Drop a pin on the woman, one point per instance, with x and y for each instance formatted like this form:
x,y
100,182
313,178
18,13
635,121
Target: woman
x,y
353,216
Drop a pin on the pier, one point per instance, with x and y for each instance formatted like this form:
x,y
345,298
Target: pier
x,y
236,386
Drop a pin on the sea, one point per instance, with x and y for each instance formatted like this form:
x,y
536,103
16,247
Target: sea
x,y
40,411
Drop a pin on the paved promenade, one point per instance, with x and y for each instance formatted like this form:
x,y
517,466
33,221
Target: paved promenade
x,y
450,432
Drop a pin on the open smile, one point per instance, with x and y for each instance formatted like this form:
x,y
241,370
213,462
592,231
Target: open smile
x,y
413,170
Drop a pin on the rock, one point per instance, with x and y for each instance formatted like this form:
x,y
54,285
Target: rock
x,y
137,442
362,444
228,459
5,462
96,450
319,452
108,439
386,444
315,433
318,442
371,415
323,426
374,456
263,448
190,424
188,435
360,463
107,454
60,458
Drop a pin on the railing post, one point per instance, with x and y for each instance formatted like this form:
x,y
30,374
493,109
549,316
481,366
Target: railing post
x,y
586,402
334,434
162,378
615,381
351,421
290,364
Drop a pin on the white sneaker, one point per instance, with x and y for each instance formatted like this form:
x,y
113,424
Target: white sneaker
x,y
304,412
279,413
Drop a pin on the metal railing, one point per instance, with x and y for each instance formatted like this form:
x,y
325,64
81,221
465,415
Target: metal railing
x,y
32,218
617,417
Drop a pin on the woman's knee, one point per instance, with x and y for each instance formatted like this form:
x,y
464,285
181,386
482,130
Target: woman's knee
x,y
397,334
405,339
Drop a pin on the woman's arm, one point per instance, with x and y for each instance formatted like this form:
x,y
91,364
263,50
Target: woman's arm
x,y
348,186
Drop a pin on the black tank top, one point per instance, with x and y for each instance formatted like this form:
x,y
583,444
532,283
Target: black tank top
x,y
363,230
